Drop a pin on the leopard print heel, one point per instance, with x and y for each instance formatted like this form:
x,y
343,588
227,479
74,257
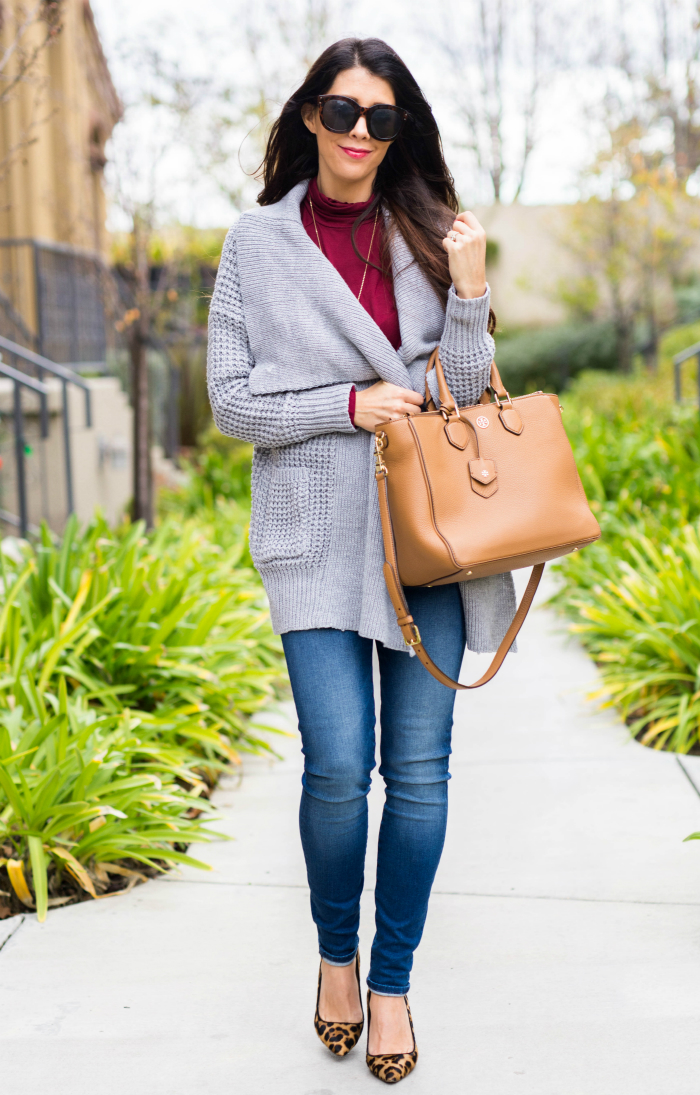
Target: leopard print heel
x,y
391,1067
339,1038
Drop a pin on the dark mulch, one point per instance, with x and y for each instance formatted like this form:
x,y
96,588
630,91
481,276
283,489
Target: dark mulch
x,y
694,751
64,890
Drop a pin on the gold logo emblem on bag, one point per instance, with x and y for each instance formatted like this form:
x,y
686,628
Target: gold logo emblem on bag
x,y
482,421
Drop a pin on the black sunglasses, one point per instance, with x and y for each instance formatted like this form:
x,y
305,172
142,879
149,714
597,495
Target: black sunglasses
x,y
340,114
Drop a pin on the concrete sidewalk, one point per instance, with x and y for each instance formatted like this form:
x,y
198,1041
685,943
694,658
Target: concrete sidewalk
x,y
561,954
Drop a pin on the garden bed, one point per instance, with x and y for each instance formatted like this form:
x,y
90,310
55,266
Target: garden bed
x,y
131,666
634,597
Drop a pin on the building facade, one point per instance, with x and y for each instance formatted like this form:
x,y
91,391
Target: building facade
x,y
58,107
53,127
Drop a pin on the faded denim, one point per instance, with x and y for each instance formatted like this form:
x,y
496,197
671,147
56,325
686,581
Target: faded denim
x,y
331,675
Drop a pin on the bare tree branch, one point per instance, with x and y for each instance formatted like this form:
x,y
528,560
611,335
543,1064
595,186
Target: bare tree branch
x,y
659,75
283,39
500,61
18,59
532,100
27,34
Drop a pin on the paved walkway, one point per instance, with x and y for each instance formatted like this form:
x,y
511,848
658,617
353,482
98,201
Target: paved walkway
x,y
561,955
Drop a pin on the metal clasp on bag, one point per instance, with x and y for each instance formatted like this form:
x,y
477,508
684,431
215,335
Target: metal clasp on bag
x,y
380,444
416,640
507,399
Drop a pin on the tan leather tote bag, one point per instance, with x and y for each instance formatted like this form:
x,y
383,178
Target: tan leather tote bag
x,y
466,492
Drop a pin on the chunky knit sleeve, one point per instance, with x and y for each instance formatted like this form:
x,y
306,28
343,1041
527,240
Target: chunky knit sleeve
x,y
285,418
466,348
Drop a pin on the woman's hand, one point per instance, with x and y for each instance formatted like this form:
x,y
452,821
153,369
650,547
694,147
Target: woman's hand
x,y
384,403
465,244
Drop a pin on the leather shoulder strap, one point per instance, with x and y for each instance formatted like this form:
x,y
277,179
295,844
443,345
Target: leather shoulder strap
x,y
405,620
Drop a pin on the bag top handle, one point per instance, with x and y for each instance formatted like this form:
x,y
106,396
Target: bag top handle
x,y
446,398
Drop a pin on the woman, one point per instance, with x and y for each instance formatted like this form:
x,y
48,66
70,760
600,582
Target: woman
x,y
328,303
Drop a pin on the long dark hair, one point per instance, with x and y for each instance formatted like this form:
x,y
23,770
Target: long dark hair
x,y
413,180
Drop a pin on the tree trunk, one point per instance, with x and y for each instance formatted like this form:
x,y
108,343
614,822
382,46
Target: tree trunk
x,y
622,320
651,350
623,338
142,506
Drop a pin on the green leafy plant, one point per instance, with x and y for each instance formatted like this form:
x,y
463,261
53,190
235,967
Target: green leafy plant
x,y
642,626
549,358
130,668
84,792
219,472
634,597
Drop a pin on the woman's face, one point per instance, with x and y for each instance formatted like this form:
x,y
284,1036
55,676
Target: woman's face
x,y
351,158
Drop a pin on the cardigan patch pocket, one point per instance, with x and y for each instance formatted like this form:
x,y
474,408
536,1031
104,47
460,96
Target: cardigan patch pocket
x,y
280,530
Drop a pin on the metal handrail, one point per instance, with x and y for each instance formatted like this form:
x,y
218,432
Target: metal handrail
x,y
26,381
66,376
692,351
41,362
19,381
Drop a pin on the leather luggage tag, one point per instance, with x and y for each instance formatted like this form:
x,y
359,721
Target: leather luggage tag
x,y
483,477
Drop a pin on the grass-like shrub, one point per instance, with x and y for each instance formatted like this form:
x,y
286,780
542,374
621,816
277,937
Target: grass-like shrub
x,y
547,359
634,597
130,667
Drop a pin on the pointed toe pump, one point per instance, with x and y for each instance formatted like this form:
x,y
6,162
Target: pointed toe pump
x,y
339,1038
391,1067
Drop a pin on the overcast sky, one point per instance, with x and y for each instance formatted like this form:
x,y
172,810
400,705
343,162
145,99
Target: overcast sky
x,y
565,142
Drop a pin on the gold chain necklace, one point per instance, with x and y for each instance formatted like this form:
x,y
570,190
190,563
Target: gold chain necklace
x,y
374,229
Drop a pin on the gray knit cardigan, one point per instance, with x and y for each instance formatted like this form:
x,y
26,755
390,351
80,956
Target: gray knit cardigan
x,y
287,341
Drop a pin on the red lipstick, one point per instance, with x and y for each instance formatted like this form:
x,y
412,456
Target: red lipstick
x,y
355,153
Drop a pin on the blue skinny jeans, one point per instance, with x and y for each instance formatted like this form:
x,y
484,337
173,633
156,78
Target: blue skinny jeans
x,y
331,675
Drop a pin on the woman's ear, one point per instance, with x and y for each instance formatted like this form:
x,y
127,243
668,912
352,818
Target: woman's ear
x,y
308,116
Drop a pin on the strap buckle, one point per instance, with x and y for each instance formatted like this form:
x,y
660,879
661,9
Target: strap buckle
x,y
380,443
416,640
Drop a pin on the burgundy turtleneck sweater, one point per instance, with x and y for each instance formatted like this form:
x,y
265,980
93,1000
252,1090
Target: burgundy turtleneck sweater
x,y
334,221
